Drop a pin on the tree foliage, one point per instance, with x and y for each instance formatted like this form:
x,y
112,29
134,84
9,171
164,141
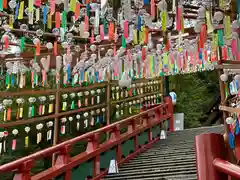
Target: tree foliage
x,y
196,94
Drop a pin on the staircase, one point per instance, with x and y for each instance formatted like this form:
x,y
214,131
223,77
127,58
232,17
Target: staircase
x,y
170,159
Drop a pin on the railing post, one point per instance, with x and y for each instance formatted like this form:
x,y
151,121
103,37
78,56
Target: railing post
x,y
115,135
23,173
150,118
168,101
209,147
63,159
93,144
131,128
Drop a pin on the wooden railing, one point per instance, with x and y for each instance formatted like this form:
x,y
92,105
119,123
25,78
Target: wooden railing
x,y
211,155
64,162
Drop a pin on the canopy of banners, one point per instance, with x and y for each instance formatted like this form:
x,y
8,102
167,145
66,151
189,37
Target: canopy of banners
x,y
133,51
61,47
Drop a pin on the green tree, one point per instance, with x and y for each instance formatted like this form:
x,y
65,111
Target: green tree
x,y
195,95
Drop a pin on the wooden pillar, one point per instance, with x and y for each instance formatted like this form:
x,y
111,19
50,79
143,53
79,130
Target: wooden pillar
x,y
209,147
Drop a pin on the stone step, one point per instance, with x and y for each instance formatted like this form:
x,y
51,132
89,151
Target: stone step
x,y
159,163
179,177
165,153
156,159
155,174
156,167
174,156
169,159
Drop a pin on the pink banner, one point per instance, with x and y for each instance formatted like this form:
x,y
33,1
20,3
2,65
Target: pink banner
x,y
179,19
153,10
126,29
234,47
77,11
52,4
101,32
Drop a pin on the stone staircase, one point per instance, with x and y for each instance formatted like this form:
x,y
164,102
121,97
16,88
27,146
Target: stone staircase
x,y
170,159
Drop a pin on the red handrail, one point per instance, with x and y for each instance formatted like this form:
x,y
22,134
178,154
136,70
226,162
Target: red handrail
x,y
64,163
226,167
211,155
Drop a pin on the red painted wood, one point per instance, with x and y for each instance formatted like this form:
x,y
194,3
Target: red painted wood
x,y
63,159
226,167
209,147
237,147
168,100
64,163
96,166
24,171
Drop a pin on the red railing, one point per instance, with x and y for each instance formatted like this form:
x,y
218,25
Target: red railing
x,y
64,163
211,155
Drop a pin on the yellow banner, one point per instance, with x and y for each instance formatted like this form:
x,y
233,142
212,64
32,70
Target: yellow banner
x,y
21,8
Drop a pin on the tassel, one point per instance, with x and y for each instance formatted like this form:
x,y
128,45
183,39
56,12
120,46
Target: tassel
x,y
32,111
146,36
237,129
37,3
43,109
124,44
86,23
153,10
40,109
73,105
92,37
64,106
227,28
16,11
77,11
220,38
69,73
30,5
57,19
209,23
52,5
1,5
179,18
73,4
7,80
101,32
50,108
164,20
203,36
64,20
139,23
21,9
146,2
9,111
38,48
37,15
45,10
111,31
231,140
5,4
11,21
49,21
126,29
79,103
